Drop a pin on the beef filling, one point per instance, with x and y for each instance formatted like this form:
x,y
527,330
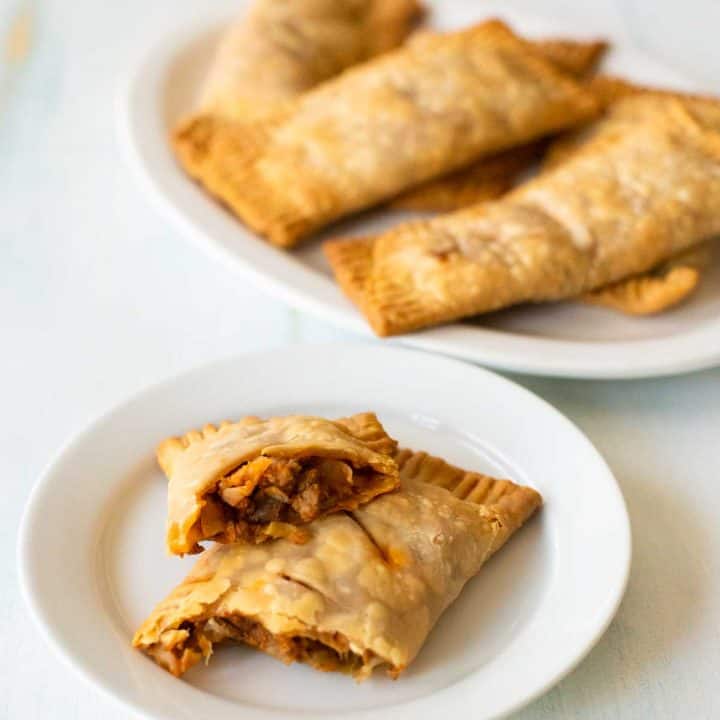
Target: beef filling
x,y
279,491
180,649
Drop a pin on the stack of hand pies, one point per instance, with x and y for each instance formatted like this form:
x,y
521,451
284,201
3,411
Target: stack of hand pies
x,y
555,183
329,545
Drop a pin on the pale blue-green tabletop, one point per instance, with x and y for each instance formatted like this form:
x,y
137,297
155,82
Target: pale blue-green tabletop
x,y
99,297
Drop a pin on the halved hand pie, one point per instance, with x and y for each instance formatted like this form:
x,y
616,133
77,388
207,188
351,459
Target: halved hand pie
x,y
256,479
379,128
643,187
284,47
363,592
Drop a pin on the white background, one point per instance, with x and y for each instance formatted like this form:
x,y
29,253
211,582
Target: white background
x,y
99,297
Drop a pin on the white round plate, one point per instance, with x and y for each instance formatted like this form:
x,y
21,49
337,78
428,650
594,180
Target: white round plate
x,y
566,339
93,561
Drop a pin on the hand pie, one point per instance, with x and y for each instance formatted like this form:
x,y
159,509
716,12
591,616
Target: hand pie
x,y
492,177
651,293
363,592
674,280
643,187
379,128
647,294
284,47
255,479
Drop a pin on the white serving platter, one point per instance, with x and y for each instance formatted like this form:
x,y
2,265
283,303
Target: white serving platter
x,y
563,339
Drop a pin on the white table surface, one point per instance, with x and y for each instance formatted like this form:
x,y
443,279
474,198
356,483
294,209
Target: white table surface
x,y
99,297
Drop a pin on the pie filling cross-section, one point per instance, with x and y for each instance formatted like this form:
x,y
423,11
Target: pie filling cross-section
x,y
363,592
255,479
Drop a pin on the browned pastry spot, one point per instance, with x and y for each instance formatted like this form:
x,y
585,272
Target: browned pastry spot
x,y
651,293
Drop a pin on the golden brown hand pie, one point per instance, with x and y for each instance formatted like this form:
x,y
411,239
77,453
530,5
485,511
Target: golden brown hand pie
x,y
644,187
492,177
379,128
363,592
661,289
255,479
649,293
285,47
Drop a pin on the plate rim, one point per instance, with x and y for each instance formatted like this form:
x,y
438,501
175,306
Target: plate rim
x,y
177,198
27,574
